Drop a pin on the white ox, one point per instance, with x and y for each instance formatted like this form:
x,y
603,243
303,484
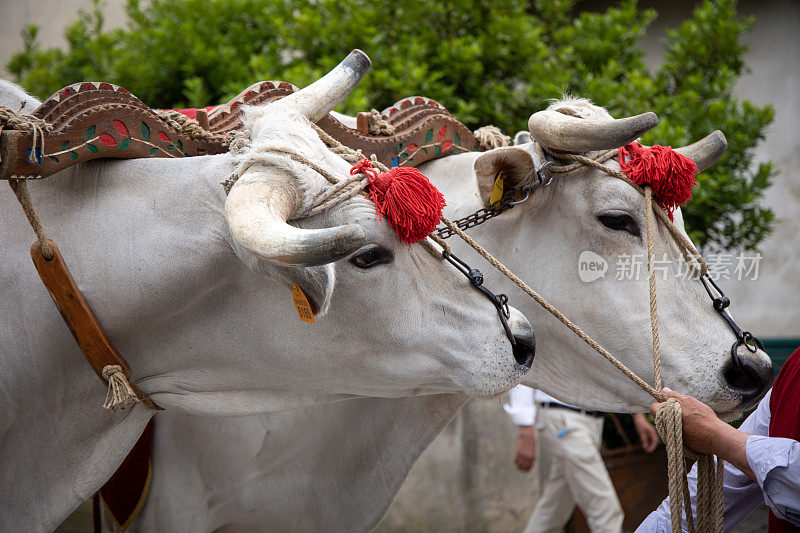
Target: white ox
x,y
194,289
337,467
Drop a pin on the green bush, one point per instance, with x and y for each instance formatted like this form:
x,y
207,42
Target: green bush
x,y
489,62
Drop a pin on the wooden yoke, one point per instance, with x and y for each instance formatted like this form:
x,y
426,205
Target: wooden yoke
x,y
424,129
92,121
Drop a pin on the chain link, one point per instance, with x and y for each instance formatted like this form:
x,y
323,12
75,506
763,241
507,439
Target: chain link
x,y
478,217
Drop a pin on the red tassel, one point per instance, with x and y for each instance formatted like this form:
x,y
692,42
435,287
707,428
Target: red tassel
x,y
669,174
410,202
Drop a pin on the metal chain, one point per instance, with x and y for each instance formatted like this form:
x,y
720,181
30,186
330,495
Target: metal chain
x,y
478,217
542,177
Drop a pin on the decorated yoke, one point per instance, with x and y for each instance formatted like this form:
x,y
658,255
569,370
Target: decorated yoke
x,y
90,120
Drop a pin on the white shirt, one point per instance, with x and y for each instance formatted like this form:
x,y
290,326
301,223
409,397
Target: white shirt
x,y
776,465
522,404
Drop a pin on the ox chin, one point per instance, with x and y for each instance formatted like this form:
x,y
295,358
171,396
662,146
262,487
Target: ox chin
x,y
735,404
495,383
730,416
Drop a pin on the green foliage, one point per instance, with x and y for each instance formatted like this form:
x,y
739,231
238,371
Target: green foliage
x,y
488,62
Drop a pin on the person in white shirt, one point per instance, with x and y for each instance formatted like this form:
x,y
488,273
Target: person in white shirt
x,y
578,474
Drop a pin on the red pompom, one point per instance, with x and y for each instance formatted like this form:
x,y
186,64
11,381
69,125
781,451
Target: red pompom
x,y
669,174
410,202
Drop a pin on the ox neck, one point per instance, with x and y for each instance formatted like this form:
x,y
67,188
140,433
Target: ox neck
x,y
385,435
58,442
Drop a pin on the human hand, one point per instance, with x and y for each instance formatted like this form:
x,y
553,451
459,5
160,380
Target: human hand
x,y
647,432
526,448
701,427
703,432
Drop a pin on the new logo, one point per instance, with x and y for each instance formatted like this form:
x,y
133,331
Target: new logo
x,y
591,266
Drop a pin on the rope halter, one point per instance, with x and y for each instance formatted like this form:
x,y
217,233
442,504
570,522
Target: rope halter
x,y
668,416
671,176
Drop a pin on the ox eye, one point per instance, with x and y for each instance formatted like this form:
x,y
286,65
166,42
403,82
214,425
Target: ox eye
x,y
620,222
372,257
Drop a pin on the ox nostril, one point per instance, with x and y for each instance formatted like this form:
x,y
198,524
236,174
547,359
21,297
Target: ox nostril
x,y
524,347
748,377
524,350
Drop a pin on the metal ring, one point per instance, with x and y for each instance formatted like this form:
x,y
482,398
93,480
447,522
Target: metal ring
x,y
747,339
545,178
503,299
527,195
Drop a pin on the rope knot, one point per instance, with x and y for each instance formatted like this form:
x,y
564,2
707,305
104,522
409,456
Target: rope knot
x,y
364,167
491,137
120,393
16,120
378,124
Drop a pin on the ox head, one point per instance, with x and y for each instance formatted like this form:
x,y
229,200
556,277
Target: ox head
x,y
595,222
392,319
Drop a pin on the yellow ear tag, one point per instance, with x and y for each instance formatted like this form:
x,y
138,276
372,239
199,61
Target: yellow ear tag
x,y
497,191
301,304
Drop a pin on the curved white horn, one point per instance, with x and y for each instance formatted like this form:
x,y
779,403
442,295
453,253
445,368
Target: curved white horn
x,y
706,151
256,212
318,99
571,134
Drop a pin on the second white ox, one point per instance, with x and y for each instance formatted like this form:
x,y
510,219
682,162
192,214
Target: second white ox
x,y
194,289
337,467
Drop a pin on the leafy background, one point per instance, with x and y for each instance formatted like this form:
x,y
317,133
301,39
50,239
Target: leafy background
x,y
488,62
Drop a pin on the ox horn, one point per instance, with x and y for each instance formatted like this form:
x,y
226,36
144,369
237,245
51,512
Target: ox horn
x,y
256,211
318,99
706,151
572,134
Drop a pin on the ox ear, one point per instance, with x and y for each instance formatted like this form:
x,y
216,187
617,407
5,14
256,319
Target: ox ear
x,y
522,137
515,163
317,284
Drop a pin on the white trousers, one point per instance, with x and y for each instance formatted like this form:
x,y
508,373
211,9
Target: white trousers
x,y
577,475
